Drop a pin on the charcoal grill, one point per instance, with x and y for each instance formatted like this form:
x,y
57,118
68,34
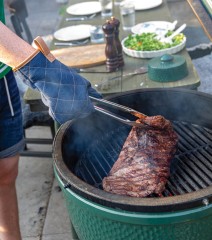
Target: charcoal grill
x,y
85,150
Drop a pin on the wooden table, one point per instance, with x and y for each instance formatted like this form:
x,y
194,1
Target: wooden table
x,y
202,15
161,12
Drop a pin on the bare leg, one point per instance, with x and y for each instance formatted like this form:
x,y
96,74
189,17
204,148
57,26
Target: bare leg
x,y
9,221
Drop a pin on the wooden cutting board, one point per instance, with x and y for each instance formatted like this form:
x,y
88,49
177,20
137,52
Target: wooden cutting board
x,y
81,56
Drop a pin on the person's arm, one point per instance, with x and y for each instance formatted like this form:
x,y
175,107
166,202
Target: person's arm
x,y
13,49
63,90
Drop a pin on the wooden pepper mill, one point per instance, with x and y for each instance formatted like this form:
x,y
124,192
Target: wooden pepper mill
x,y
110,48
116,24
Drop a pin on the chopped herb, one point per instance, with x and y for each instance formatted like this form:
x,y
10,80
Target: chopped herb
x,y
149,42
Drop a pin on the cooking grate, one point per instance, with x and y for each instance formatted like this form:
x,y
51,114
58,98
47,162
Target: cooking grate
x,y
191,169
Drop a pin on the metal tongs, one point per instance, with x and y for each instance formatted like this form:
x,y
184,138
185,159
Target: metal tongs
x,y
120,107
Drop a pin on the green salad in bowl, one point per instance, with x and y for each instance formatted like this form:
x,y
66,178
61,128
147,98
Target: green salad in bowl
x,y
148,45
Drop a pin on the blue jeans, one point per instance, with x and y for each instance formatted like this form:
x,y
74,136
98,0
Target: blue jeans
x,y
11,128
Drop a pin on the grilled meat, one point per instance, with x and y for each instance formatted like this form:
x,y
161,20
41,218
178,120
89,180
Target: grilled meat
x,y
143,165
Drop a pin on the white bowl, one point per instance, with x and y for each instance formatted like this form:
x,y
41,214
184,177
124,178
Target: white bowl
x,y
152,54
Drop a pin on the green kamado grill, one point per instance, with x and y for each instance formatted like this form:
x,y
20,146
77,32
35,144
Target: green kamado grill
x,y
85,149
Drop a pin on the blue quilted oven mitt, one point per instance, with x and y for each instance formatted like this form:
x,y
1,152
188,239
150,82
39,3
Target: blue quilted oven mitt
x,y
63,90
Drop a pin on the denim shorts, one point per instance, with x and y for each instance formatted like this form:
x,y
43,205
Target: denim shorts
x,y
11,128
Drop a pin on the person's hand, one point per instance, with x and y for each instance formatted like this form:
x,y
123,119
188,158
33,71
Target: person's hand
x,y
8,6
63,90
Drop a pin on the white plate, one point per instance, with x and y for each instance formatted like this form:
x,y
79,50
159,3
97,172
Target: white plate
x,y
72,33
159,27
152,54
84,8
146,4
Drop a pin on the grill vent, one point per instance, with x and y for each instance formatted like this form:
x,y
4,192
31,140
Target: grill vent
x,y
191,169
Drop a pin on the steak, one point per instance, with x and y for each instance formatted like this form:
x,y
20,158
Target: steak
x,y
143,165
